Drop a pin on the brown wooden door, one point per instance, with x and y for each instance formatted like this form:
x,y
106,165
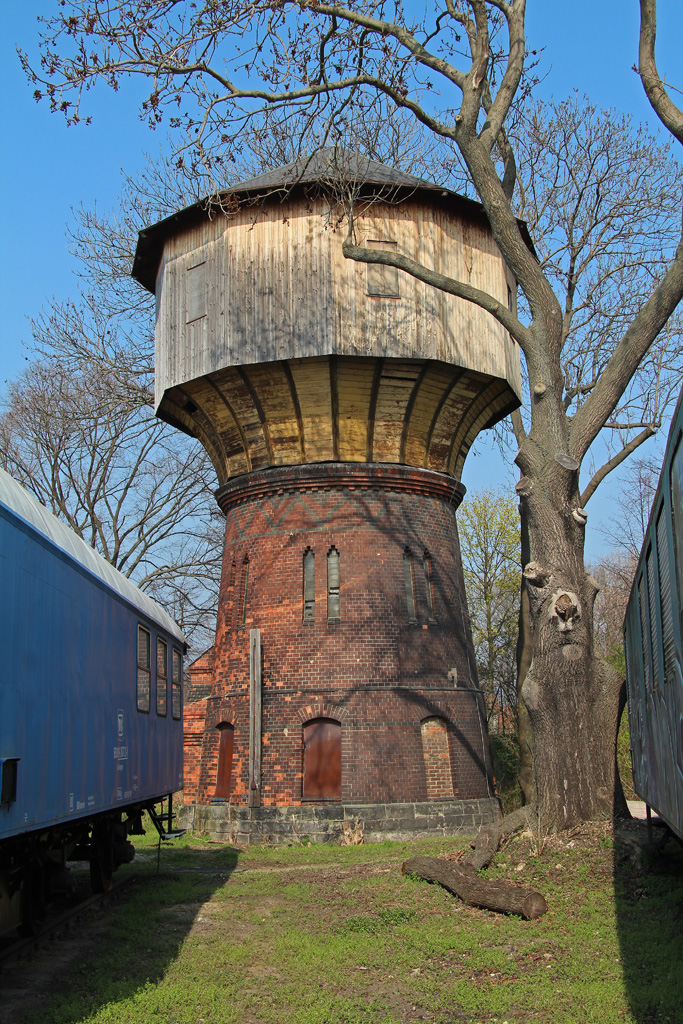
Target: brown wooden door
x,y
322,760
224,773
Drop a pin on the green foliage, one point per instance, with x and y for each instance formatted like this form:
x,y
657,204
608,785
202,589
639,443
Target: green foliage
x,y
505,755
488,524
624,758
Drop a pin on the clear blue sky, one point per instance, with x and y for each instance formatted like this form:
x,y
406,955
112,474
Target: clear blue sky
x,y
47,169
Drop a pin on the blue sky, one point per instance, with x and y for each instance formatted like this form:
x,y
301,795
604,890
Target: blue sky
x,y
47,169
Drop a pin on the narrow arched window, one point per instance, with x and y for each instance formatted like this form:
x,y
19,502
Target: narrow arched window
x,y
226,732
429,585
309,586
244,583
333,583
409,580
230,609
437,758
322,760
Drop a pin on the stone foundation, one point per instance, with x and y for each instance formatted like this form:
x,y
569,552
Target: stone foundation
x,y
323,823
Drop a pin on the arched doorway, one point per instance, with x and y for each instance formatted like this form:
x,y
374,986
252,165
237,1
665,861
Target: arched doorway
x,y
322,760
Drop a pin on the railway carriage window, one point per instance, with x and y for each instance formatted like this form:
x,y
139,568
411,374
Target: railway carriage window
x,y
144,669
177,683
652,596
677,510
665,602
643,631
162,676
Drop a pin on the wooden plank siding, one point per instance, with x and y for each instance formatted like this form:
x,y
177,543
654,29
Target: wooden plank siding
x,y
294,362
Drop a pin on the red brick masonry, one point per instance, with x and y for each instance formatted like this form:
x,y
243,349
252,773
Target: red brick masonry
x,y
390,658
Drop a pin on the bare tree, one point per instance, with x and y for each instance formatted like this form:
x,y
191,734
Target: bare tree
x,y
459,72
128,485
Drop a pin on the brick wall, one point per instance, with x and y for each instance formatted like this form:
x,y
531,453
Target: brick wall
x,y
380,670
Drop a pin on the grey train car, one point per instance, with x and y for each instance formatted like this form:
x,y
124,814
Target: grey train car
x,y
90,708
653,640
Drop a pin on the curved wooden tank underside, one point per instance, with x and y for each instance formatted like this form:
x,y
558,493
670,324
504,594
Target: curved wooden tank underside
x,y
417,412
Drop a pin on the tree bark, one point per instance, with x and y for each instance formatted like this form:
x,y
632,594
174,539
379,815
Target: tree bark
x,y
524,733
572,696
463,881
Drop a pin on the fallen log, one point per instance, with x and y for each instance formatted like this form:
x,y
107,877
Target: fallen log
x,y
490,837
463,881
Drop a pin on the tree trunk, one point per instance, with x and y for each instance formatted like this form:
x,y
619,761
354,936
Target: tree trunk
x,y
572,697
524,733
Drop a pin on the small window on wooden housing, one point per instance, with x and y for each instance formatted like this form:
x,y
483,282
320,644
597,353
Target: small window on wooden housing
x,y
333,577
309,586
144,669
382,280
409,580
162,676
225,748
196,292
429,584
177,684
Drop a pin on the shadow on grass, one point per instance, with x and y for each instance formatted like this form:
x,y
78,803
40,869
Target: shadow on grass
x,y
648,887
142,936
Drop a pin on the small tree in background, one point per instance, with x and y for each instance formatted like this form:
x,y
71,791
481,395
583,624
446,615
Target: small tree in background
x,y
488,525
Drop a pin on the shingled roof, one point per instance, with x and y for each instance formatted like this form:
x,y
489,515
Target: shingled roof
x,y
322,167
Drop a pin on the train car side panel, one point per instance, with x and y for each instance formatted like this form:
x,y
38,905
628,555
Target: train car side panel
x,y
653,630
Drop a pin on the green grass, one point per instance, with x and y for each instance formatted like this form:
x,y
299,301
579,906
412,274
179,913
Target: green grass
x,y
330,935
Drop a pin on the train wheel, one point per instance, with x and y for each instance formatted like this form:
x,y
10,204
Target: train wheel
x,y
32,900
101,857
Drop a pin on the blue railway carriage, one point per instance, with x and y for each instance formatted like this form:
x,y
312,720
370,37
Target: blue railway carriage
x,y
90,708
653,635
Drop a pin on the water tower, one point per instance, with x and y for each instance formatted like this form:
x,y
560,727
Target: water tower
x,y
337,402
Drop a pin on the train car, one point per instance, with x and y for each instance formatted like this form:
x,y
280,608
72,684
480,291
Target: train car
x,y
653,640
90,708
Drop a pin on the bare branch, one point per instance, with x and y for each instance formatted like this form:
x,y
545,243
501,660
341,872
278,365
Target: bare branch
x,y
617,460
665,109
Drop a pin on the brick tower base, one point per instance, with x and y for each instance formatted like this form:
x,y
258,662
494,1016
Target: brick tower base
x,y
371,708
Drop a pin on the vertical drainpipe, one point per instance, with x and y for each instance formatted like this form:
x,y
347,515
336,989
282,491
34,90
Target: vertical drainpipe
x,y
255,718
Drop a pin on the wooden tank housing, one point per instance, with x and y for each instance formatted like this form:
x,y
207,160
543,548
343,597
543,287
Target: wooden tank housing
x,y
275,350
337,402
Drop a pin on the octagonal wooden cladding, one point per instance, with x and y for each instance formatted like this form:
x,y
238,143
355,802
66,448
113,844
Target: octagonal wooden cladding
x,y
414,412
269,283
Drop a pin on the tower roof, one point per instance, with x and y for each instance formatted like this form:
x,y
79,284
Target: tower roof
x,y
322,168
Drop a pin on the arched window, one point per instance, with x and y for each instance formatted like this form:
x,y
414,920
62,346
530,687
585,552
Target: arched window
x,y
309,586
230,608
429,584
409,580
244,582
333,582
224,773
437,758
322,760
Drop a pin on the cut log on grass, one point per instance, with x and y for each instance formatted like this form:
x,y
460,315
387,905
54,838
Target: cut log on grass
x,y
490,837
463,881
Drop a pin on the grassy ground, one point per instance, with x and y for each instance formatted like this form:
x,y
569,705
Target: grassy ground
x,y
330,935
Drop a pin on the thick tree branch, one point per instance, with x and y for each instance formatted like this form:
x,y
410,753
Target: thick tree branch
x,y
617,460
624,361
447,284
665,109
